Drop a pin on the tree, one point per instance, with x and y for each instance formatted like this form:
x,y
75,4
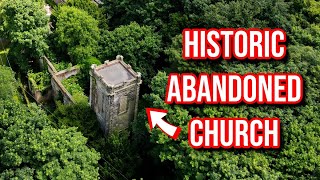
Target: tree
x,y
25,24
78,115
139,45
313,9
167,17
121,154
92,9
8,84
178,64
32,148
87,5
300,127
84,78
236,14
77,33
149,12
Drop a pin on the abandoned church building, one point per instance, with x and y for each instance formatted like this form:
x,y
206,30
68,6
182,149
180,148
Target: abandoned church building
x,y
114,91
114,94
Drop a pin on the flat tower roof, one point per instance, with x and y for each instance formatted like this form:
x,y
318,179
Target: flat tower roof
x,y
115,73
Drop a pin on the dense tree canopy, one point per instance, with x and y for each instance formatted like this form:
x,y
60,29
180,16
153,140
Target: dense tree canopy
x,y
87,5
93,9
30,147
148,34
77,33
77,115
300,124
298,143
139,45
247,14
25,24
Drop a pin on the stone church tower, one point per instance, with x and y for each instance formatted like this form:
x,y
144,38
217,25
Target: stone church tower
x,y
114,94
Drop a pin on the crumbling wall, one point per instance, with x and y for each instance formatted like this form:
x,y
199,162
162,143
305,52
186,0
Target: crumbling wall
x,y
57,77
40,96
65,74
58,89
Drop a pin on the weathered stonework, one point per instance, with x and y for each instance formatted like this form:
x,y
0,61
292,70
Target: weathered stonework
x,y
114,94
57,77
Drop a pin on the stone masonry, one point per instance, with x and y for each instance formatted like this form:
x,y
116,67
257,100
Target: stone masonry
x,y
114,94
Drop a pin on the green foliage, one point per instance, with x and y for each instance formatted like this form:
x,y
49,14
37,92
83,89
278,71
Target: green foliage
x,y
313,9
300,133
3,56
309,36
8,84
165,16
171,17
299,156
244,13
151,12
51,3
86,64
86,5
62,65
305,29
139,45
178,64
31,148
72,86
78,115
84,77
116,149
121,156
25,24
92,9
77,33
40,80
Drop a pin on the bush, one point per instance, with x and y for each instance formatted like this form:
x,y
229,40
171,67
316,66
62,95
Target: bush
x,y
40,80
77,33
62,65
72,86
78,115
8,84
139,45
84,77
32,149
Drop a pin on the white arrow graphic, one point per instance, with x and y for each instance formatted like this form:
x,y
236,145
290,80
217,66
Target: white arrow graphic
x,y
155,118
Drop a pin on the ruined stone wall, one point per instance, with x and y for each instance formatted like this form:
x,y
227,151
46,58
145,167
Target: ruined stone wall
x,y
58,89
39,96
52,70
65,74
57,77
